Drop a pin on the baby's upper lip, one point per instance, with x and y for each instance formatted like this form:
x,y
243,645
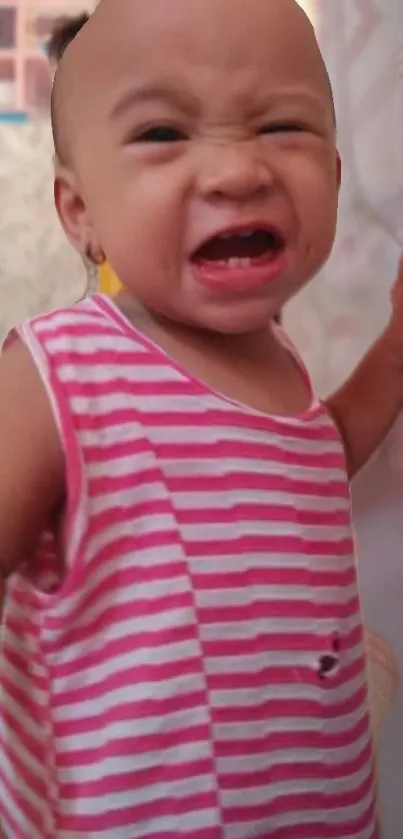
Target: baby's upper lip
x,y
241,229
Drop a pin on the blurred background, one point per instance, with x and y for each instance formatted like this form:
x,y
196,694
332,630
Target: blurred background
x,y
332,322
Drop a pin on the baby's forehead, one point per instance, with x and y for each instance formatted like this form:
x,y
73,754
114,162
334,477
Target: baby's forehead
x,y
191,31
215,43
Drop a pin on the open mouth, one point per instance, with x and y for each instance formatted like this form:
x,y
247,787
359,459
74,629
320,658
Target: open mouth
x,y
240,249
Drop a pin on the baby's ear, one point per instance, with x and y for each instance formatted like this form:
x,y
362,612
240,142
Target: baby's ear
x,y
72,211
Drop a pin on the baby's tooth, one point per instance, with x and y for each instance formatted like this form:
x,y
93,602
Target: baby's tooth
x,y
239,262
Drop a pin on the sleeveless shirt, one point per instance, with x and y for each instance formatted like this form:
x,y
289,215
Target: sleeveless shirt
x,y
198,670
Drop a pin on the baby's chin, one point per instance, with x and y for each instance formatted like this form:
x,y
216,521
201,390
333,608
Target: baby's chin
x,y
189,307
242,319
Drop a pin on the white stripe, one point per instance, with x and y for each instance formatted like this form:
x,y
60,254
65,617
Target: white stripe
x,y
271,594
179,652
270,792
229,531
90,344
141,727
112,374
121,631
146,795
181,753
212,433
173,825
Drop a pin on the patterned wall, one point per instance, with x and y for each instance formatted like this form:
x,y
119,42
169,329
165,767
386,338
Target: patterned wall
x,y
38,270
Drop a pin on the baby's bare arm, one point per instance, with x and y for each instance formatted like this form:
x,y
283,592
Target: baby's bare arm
x,y
368,404
31,464
31,459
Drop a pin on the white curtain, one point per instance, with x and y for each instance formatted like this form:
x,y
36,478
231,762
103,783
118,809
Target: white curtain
x,y
348,305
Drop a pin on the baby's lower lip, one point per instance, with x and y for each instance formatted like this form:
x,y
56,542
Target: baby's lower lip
x,y
240,274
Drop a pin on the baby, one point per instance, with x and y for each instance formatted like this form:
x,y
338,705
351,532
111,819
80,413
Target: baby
x,y
182,645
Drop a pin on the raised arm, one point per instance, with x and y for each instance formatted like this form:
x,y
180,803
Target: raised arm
x,y
368,404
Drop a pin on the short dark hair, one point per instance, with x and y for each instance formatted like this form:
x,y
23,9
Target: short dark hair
x,y
64,32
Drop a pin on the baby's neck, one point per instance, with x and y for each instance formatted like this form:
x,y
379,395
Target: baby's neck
x,y
254,368
252,346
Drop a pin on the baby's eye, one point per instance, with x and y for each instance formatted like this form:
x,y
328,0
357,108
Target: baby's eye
x,y
283,128
161,134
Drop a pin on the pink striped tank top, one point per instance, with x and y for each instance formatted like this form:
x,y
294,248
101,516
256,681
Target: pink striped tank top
x,y
198,671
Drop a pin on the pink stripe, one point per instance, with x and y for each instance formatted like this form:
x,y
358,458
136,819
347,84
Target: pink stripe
x,y
113,819
281,545
113,581
111,357
291,674
22,737
17,661
225,419
112,386
194,833
275,676
133,675
118,483
292,771
236,449
158,742
115,451
233,480
138,779
266,642
267,609
35,784
95,330
260,512
293,740
159,539
20,626
229,481
319,830
27,812
24,704
298,804
286,709
9,823
265,577
121,612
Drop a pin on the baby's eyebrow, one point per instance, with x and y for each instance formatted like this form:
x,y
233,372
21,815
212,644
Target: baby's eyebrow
x,y
288,97
170,95
293,96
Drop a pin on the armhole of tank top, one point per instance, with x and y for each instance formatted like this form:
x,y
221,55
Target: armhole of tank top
x,y
76,489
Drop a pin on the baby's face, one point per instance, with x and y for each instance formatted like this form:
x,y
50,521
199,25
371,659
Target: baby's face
x,y
206,155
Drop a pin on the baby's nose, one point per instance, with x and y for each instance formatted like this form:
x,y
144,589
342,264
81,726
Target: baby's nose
x,y
234,173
